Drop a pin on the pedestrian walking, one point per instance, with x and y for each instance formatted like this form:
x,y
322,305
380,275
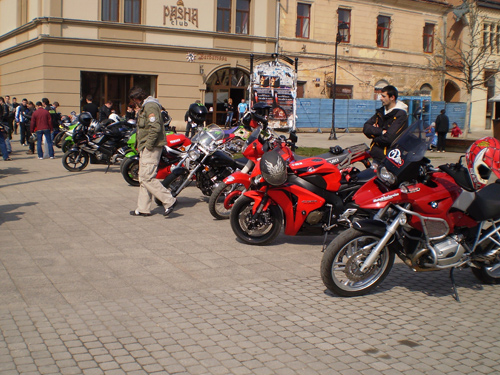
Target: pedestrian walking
x,y
41,123
442,127
150,142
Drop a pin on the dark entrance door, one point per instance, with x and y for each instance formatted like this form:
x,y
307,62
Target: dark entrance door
x,y
224,84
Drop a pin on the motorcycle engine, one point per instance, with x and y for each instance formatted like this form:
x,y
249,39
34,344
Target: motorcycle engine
x,y
314,217
98,155
449,250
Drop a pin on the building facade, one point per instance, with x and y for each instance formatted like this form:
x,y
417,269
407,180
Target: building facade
x,y
381,42
178,50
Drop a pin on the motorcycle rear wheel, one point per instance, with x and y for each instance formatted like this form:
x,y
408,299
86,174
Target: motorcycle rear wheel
x,y
263,231
59,139
341,261
487,274
130,171
217,204
75,161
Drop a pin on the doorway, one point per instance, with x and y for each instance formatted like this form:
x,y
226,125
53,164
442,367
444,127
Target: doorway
x,y
224,84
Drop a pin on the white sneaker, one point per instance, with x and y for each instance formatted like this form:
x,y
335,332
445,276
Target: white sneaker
x,y
40,158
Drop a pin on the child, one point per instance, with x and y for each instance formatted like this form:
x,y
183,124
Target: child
x,y
455,130
431,132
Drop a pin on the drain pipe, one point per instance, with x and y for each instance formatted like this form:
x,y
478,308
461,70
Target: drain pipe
x,y
278,10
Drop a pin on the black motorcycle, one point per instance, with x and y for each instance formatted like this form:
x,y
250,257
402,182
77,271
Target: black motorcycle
x,y
97,144
204,162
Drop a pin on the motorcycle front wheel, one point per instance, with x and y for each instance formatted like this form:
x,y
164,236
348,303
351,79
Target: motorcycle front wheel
x,y
172,182
222,200
75,161
130,171
59,139
340,266
259,230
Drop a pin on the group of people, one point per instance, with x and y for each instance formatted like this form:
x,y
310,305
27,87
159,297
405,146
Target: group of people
x,y
229,107
392,118
33,121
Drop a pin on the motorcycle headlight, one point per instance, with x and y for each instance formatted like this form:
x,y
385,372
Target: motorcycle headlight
x,y
194,154
386,176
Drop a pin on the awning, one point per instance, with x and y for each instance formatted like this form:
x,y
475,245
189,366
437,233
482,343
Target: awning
x,y
496,98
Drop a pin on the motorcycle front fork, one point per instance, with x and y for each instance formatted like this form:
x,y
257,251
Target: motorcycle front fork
x,y
391,230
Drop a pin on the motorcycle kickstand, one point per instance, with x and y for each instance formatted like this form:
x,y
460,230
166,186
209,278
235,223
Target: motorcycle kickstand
x,y
454,286
324,242
107,169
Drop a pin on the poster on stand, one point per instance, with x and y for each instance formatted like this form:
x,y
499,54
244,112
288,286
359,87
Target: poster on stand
x,y
275,84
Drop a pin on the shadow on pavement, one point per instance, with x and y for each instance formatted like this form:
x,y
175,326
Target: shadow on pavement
x,y
8,212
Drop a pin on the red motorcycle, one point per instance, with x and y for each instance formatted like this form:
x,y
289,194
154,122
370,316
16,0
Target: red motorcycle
x,y
171,154
312,194
432,219
260,141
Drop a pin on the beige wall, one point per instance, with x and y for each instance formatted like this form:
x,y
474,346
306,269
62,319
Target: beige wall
x,y
360,62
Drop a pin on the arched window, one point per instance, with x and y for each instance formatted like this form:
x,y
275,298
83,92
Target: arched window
x,y
426,89
378,88
223,84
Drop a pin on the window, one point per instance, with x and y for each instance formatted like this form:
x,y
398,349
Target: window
x,y
303,20
491,37
344,24
132,11
383,31
110,10
242,16
224,16
429,38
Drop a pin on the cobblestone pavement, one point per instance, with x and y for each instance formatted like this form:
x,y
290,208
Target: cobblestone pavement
x,y
85,288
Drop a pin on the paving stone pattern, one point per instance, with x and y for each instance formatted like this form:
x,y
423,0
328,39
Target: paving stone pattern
x,y
85,288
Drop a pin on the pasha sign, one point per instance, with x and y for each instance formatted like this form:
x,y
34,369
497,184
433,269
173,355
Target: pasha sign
x,y
179,15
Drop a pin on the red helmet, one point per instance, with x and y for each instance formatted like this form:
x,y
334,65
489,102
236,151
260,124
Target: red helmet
x,y
483,157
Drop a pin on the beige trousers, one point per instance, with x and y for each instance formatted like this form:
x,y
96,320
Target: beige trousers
x,y
149,186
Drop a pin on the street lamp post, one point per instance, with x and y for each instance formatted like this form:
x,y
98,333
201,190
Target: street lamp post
x,y
339,38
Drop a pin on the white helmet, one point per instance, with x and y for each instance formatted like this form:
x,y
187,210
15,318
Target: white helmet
x,y
114,117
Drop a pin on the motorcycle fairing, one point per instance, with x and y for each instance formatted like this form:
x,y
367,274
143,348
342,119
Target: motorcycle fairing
x,y
238,178
296,203
376,227
319,172
177,140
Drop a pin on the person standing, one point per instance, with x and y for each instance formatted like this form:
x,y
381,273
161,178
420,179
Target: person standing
x,y
150,142
387,123
15,104
90,107
22,121
28,114
4,121
229,113
41,123
442,127
242,108
190,125
105,111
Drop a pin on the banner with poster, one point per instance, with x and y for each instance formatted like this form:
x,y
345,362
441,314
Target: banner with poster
x,y
275,83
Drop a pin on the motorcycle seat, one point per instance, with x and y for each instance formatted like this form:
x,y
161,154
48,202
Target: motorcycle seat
x,y
240,162
486,204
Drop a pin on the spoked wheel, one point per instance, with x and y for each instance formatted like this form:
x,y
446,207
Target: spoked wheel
x,y
342,260
75,161
222,199
172,182
130,171
259,230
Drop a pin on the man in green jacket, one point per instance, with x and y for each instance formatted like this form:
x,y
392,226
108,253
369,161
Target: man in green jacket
x,y
150,141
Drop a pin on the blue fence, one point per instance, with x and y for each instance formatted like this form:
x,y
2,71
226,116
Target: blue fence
x,y
351,113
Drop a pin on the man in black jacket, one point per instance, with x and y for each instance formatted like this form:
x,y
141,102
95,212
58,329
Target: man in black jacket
x,y
387,123
105,111
442,127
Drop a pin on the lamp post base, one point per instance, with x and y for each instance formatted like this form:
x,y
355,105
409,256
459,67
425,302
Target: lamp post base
x,y
332,137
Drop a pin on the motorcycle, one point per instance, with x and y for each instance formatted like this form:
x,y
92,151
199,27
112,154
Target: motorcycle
x,y
203,162
431,218
96,144
172,153
312,194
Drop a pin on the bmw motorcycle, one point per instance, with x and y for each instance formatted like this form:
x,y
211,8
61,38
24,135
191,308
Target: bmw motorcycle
x,y
431,218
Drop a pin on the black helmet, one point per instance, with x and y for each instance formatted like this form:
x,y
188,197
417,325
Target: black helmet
x,y
273,168
85,118
198,113
65,119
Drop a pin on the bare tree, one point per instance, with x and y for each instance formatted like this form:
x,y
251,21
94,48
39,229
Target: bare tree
x,y
470,49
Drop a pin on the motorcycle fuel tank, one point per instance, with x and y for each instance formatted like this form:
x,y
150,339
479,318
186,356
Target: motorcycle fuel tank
x,y
318,172
177,140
